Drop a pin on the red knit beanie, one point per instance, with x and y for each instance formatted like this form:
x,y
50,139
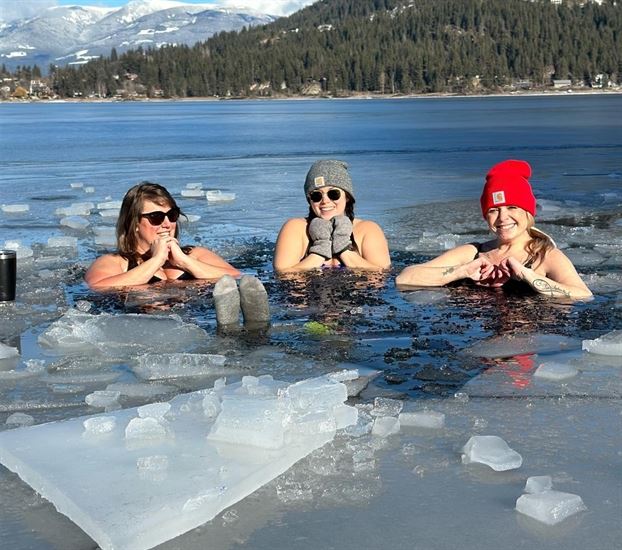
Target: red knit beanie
x,y
507,185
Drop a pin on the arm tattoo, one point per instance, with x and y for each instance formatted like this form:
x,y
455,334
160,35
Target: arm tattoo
x,y
545,287
449,270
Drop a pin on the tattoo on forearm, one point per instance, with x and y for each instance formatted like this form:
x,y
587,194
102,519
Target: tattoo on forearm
x,y
547,288
449,270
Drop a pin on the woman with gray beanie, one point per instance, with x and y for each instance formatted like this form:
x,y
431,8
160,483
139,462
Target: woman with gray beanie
x,y
330,236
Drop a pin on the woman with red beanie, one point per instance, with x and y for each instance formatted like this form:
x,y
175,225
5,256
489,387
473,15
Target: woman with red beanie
x,y
519,250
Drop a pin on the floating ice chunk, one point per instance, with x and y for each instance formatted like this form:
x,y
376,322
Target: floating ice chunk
x,y
20,419
384,406
317,394
423,419
194,185
22,252
154,410
608,344
8,352
193,218
252,421
102,398
344,375
192,193
345,416
98,425
89,189
385,425
63,242
145,428
555,371
75,222
117,335
321,422
550,507
109,213
426,297
538,484
109,205
157,366
76,209
77,185
15,208
217,195
492,451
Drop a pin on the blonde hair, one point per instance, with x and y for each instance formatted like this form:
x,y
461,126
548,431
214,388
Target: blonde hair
x,y
540,242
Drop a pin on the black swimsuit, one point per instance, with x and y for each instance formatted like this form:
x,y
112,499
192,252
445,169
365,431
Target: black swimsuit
x,y
185,276
512,285
478,246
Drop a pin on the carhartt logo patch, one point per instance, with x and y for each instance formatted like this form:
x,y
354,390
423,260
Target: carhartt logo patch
x,y
498,197
319,181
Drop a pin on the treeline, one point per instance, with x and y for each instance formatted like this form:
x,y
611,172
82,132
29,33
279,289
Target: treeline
x,y
379,46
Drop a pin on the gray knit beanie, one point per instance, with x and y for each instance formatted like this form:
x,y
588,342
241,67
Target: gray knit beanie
x,y
333,173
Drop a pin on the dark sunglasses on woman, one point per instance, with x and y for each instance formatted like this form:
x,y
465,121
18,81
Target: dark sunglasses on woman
x,y
332,194
157,217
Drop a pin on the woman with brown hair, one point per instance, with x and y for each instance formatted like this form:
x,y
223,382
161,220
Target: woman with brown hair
x,y
330,236
519,250
147,247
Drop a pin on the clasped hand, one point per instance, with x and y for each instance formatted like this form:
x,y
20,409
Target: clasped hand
x,y
330,238
486,273
167,250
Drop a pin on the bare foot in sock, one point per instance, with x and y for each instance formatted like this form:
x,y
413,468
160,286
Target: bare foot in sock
x,y
227,301
254,300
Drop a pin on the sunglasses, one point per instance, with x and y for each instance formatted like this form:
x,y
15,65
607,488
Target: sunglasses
x,y
157,217
332,194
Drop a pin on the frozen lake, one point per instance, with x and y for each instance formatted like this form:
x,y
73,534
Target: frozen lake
x,y
472,355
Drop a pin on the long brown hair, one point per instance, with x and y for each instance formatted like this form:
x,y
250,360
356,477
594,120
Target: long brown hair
x,y
131,209
539,244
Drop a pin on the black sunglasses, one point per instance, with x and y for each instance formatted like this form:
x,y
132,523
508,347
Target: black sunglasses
x,y
157,217
332,194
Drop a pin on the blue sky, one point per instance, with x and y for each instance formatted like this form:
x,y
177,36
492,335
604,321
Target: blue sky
x,y
18,9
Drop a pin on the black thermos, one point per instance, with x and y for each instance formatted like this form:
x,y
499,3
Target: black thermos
x,y
8,275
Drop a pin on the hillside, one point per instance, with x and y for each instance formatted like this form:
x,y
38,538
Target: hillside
x,y
341,47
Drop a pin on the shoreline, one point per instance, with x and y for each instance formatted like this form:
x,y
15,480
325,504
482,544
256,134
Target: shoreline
x,y
357,96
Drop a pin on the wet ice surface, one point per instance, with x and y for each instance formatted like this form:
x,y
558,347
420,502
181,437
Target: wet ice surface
x,y
461,362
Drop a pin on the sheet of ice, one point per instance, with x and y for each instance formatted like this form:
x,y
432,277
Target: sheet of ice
x,y
109,205
492,451
132,483
192,193
89,189
423,419
385,406
15,208
109,213
22,251
20,419
511,345
550,507
385,426
160,366
76,209
120,335
555,371
608,344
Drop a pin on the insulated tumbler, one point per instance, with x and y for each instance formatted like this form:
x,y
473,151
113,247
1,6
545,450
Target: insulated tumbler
x,y
8,275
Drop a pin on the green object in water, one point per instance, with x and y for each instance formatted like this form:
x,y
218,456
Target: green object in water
x,y
317,329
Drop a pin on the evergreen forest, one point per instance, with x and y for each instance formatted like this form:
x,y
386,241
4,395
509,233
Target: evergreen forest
x,y
344,47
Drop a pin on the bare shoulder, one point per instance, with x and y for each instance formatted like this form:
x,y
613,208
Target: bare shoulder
x,y
365,226
294,226
110,260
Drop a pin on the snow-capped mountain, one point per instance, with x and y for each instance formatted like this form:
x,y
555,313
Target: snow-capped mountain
x,y
64,35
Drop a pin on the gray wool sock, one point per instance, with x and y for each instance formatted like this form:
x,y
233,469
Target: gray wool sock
x,y
227,301
254,300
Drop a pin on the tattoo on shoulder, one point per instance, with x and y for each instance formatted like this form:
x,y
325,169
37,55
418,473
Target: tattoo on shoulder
x,y
449,270
545,287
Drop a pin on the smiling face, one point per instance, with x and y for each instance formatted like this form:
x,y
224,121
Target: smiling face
x,y
327,207
508,222
146,232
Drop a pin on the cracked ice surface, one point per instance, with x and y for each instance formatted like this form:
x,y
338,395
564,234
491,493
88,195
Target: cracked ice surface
x,y
135,478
